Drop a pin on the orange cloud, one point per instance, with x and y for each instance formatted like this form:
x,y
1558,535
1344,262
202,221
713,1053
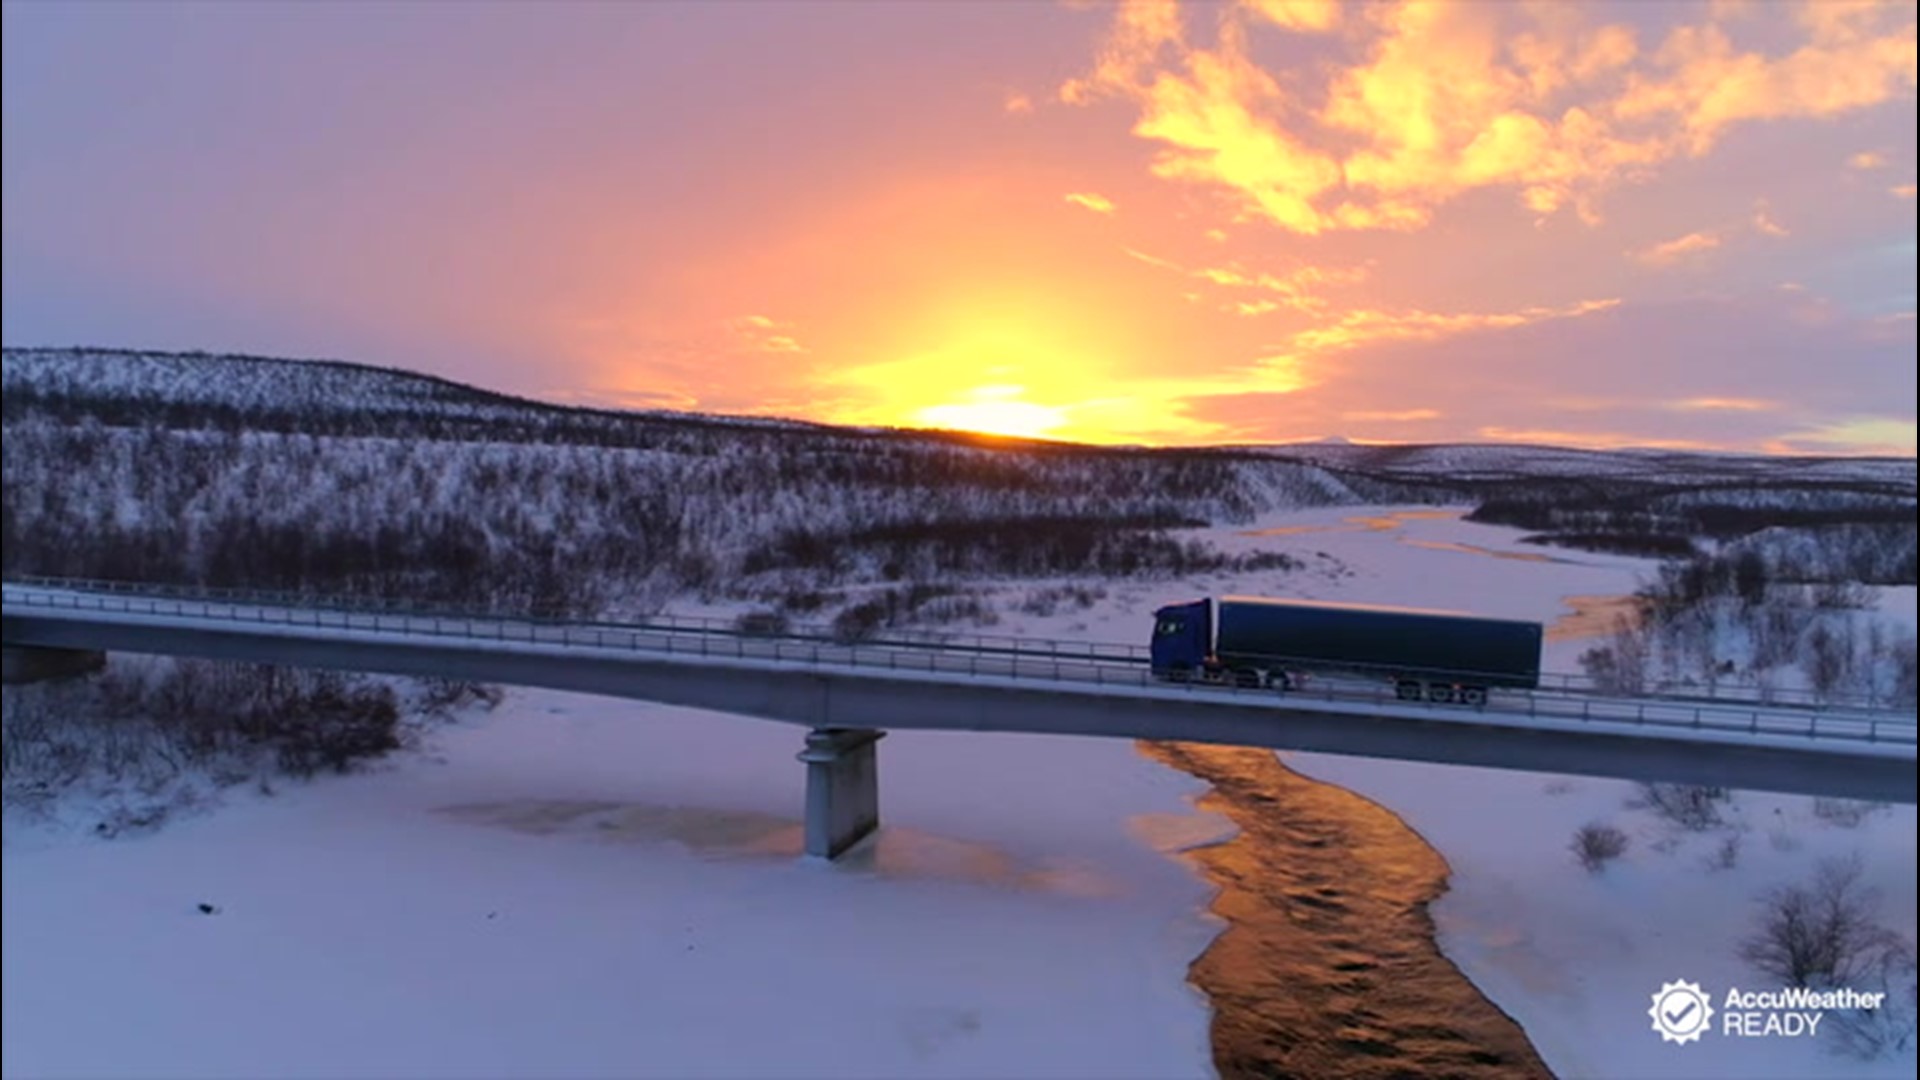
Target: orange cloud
x,y
1442,111
1763,222
1867,159
760,333
1591,440
1856,57
1141,28
1211,111
1901,191
1392,416
1298,14
1668,252
1450,97
1299,289
1016,103
1364,326
1724,404
1099,204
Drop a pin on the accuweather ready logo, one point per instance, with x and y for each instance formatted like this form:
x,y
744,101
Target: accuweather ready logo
x,y
1682,1011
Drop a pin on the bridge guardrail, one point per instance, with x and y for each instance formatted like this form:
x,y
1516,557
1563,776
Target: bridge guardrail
x,y
1009,643
1561,681
1719,716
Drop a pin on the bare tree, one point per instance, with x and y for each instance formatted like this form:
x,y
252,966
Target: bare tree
x,y
1826,661
1819,933
1620,665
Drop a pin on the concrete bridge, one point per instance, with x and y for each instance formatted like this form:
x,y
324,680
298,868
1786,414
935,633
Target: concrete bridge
x,y
848,694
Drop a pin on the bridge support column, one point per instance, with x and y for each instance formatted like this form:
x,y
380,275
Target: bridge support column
x,y
843,788
36,663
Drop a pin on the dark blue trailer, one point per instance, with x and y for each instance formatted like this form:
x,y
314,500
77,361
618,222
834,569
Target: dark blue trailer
x,y
1433,655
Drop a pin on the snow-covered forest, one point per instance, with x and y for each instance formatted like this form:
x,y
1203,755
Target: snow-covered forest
x,y
336,478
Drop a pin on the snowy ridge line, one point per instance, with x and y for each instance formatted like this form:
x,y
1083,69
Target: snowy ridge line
x,y
1559,682
1472,462
1894,733
244,380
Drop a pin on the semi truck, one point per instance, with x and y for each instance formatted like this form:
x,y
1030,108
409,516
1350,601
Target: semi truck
x,y
1441,656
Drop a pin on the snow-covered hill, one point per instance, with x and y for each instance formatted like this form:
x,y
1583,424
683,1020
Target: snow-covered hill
x,y
344,478
126,383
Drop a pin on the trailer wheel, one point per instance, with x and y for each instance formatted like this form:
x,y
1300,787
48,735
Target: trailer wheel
x,y
1408,690
1475,696
1246,678
1438,692
1279,680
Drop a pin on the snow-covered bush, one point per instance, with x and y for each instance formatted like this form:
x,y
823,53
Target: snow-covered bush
x,y
1846,813
1693,807
1596,844
1727,855
164,729
1869,1034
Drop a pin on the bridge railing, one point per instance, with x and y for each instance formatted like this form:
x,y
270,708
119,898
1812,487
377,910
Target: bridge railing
x,y
987,644
1655,713
729,627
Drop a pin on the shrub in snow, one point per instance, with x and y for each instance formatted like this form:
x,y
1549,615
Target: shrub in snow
x,y
1888,1030
1596,844
763,623
438,695
1691,806
1845,813
1820,932
168,729
1048,601
1727,855
338,730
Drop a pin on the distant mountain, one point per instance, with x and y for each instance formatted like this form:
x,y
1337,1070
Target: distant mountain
x,y
1482,462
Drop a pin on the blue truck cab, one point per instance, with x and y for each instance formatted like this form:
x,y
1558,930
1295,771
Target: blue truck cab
x,y
1182,639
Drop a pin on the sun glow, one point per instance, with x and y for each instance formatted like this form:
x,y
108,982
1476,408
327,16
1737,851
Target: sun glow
x,y
994,410
1002,363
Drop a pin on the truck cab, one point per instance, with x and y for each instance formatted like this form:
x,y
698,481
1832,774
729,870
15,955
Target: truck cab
x,y
1182,645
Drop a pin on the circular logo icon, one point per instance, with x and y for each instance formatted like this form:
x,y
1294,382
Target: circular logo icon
x,y
1680,1011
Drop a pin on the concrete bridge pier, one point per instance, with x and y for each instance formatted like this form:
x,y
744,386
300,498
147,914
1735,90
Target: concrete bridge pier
x,y
843,788
37,663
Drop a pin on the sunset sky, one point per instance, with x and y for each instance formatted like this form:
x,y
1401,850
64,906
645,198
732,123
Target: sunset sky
x,y
1636,223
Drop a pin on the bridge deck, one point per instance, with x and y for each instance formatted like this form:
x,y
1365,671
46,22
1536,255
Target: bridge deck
x,y
1071,689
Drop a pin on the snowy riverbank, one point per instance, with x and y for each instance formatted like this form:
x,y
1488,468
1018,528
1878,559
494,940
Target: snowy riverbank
x,y
573,886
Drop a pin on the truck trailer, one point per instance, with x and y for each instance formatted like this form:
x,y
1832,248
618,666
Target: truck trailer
x,y
1440,656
